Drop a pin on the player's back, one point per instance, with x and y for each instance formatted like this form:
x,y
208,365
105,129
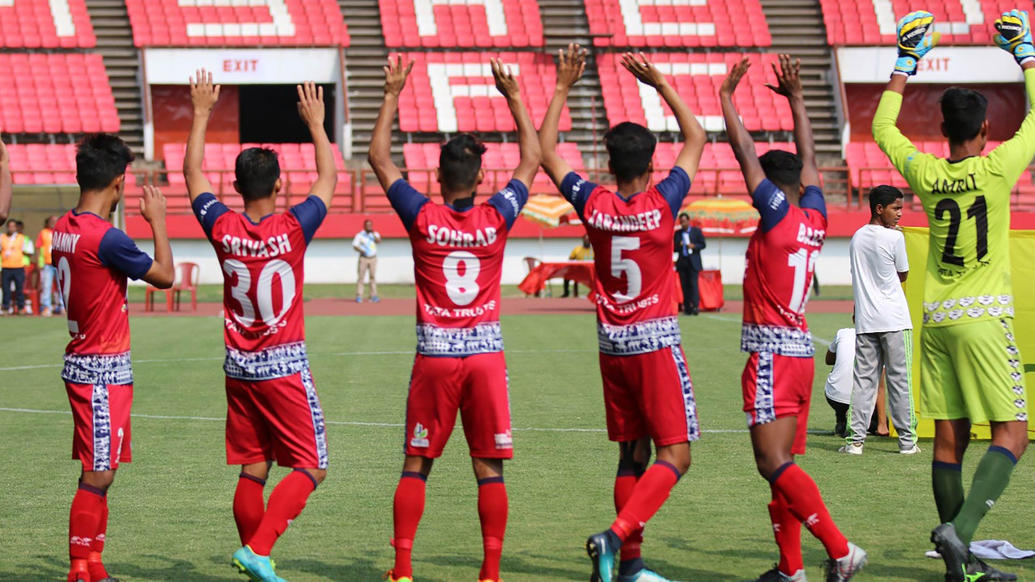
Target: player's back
x,y
781,260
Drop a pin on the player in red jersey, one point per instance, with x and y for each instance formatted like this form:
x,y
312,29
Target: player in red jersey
x,y
458,257
93,261
777,380
647,389
273,411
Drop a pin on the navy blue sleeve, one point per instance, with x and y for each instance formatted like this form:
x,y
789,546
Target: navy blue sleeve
x,y
406,201
207,209
674,188
510,200
118,251
813,199
310,214
576,190
771,203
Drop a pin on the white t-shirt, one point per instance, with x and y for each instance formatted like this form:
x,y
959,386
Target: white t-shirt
x,y
366,242
878,255
839,382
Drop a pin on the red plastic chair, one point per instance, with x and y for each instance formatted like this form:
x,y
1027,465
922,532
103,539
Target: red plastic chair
x,y
186,280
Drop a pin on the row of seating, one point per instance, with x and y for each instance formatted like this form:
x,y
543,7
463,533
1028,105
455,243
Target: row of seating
x,y
666,23
56,93
499,162
872,22
45,24
448,23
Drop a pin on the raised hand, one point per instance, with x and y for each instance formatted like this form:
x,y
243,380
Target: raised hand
x,y
1014,35
505,81
310,104
203,93
571,63
916,36
729,84
395,75
152,205
643,69
788,77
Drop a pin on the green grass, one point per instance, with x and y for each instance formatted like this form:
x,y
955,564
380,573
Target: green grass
x,y
170,508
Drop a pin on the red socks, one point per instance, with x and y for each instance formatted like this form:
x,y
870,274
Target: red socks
x,y
806,504
84,520
492,511
625,483
787,531
93,562
249,506
286,502
648,496
407,509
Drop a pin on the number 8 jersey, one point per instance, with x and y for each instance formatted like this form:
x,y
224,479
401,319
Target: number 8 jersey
x,y
263,272
781,258
457,263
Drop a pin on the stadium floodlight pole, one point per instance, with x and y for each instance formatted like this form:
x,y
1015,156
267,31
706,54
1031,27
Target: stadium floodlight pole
x,y
5,182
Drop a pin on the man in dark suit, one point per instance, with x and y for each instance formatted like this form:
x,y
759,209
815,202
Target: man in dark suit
x,y
688,244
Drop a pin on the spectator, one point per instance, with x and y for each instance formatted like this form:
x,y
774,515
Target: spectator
x,y
365,243
883,329
840,355
582,252
689,242
48,272
13,250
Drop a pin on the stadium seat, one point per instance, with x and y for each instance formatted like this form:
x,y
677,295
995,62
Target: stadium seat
x,y
718,173
854,22
664,23
45,24
240,23
56,93
451,92
42,163
697,77
869,167
464,23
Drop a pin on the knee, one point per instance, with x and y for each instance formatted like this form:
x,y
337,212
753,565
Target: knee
x,y
101,480
676,455
317,475
767,465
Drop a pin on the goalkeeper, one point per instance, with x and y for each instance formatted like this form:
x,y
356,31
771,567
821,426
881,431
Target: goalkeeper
x,y
970,370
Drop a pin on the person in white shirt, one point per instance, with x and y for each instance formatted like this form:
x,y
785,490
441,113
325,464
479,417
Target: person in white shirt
x,y
882,324
365,243
838,389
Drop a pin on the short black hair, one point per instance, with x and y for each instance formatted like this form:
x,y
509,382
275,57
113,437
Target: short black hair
x,y
100,158
256,171
682,214
782,168
459,162
630,147
883,195
963,111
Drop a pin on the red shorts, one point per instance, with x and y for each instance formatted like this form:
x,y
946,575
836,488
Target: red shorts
x,y
100,414
277,419
649,395
776,386
475,385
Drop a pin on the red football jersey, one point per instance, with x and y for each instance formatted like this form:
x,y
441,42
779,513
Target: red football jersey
x,y
263,271
781,259
632,250
457,263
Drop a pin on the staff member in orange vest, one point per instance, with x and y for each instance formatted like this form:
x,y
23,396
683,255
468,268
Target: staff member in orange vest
x,y
48,272
12,260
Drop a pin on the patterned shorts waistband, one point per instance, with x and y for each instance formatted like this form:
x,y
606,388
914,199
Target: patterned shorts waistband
x,y
484,338
110,369
995,306
774,339
638,338
267,364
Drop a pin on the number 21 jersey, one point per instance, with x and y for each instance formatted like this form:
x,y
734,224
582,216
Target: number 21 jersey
x,y
457,263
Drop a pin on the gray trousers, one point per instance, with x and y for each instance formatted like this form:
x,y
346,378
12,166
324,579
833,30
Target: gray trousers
x,y
892,351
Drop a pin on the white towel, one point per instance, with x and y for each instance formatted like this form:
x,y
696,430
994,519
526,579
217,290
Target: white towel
x,y
992,550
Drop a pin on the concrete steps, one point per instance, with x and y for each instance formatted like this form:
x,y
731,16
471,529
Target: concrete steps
x,y
123,63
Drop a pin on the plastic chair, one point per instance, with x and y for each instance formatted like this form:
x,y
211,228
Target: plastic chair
x,y
31,289
187,276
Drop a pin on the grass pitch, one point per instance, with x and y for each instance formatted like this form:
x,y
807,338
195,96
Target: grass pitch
x,y
170,508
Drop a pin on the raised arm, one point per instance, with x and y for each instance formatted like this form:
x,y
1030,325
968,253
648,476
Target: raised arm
x,y
528,139
788,84
571,63
311,110
5,183
694,136
203,95
380,154
740,140
162,273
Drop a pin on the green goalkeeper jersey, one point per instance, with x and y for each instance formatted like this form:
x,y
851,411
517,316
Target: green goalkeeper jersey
x,y
968,209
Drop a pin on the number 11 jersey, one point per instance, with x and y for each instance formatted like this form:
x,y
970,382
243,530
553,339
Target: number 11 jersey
x,y
457,263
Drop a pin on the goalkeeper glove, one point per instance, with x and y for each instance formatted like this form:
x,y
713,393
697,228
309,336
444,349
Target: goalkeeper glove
x,y
1015,35
915,37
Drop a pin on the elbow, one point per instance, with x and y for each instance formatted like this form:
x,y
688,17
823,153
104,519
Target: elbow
x,y
164,280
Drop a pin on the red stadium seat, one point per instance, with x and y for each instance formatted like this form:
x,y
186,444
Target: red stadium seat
x,y
57,93
45,24
469,23
858,22
42,163
663,23
242,23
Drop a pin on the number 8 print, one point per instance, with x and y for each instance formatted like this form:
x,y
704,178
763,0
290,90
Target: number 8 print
x,y
462,289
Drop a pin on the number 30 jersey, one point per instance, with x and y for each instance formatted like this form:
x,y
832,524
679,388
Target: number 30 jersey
x,y
781,258
263,272
457,263
632,250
